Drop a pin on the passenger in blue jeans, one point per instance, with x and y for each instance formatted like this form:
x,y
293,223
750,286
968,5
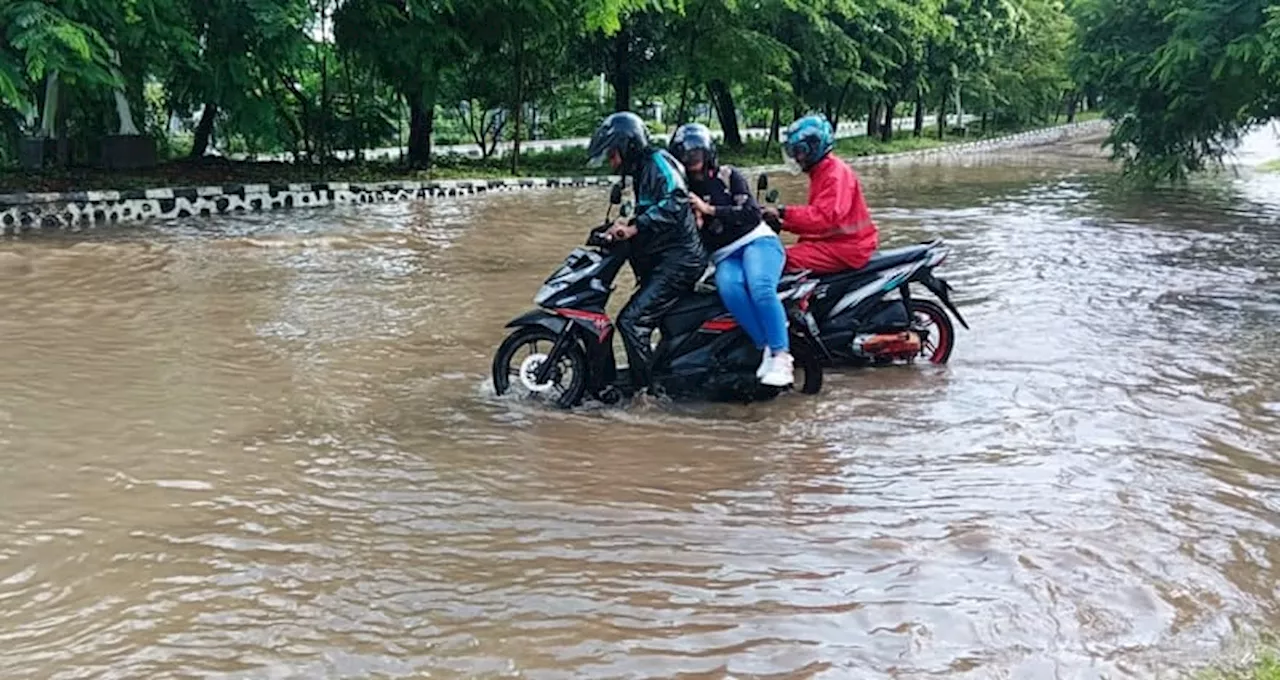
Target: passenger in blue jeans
x,y
747,253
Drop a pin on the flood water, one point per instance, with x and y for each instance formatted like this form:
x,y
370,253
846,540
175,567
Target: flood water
x,y
266,447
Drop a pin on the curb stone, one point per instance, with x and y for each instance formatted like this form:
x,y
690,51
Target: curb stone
x,y
24,213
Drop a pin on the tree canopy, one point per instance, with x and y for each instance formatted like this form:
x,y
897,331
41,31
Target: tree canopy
x,y
322,79
1181,78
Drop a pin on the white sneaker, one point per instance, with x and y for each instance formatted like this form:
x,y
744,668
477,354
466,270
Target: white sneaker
x,y
764,364
781,371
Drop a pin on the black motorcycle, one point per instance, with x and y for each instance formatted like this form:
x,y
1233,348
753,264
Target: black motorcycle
x,y
869,316
564,349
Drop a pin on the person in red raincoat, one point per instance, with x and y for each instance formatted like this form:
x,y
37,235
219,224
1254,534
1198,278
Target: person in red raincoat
x,y
835,228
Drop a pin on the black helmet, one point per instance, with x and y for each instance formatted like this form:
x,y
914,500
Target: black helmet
x,y
692,140
624,131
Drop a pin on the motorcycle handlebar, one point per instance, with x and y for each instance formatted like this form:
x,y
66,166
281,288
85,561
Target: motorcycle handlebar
x,y
599,239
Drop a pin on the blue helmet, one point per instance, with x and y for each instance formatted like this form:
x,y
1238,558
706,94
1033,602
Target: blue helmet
x,y
808,140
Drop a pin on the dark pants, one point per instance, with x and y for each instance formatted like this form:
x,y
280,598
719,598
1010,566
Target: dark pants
x,y
660,290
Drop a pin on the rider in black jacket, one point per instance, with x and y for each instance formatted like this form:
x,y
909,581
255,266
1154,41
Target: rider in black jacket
x,y
667,254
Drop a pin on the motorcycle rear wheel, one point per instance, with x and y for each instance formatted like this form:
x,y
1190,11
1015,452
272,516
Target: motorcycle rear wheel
x,y
507,377
927,315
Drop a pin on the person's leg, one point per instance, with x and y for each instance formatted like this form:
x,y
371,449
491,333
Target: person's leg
x,y
635,336
640,316
762,262
764,265
731,282
815,256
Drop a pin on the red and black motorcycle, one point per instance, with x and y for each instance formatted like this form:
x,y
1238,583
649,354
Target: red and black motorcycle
x,y
563,350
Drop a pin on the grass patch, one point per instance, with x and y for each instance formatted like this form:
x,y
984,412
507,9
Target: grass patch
x,y
1266,668
562,163
1272,165
1263,664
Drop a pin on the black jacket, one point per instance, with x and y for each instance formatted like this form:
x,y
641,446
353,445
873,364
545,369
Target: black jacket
x,y
667,234
736,209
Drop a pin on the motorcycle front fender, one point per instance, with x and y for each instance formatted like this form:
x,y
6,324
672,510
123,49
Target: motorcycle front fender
x,y
539,317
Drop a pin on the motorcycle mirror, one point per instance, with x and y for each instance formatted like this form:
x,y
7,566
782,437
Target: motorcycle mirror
x,y
763,182
615,194
772,196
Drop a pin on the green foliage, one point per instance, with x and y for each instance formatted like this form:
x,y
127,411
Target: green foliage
x,y
316,78
37,38
1182,79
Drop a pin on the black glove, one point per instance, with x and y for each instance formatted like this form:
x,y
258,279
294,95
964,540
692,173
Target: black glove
x,y
774,221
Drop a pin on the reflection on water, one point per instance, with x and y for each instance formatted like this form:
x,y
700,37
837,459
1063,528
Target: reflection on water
x,y
265,447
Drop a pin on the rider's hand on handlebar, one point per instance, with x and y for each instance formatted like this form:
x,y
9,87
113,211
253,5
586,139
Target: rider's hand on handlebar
x,y
621,230
772,218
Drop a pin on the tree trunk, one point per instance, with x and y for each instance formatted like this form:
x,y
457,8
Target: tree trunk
x,y
323,143
1073,101
305,109
421,121
622,70
873,120
918,131
942,115
124,114
204,130
694,31
519,103
834,119
886,130
681,111
291,121
984,124
355,141
49,115
774,126
727,111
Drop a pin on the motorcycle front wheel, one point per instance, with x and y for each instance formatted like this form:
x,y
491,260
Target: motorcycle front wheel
x,y
516,363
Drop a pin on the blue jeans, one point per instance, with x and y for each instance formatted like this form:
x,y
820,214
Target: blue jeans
x,y
748,283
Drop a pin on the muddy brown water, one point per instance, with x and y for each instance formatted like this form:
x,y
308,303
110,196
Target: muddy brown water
x,y
265,447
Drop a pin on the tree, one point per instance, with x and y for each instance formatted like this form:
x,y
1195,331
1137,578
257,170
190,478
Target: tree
x,y
408,42
1181,79
738,53
44,44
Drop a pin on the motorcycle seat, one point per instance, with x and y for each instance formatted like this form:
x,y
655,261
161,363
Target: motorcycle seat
x,y
707,282
885,259
694,302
